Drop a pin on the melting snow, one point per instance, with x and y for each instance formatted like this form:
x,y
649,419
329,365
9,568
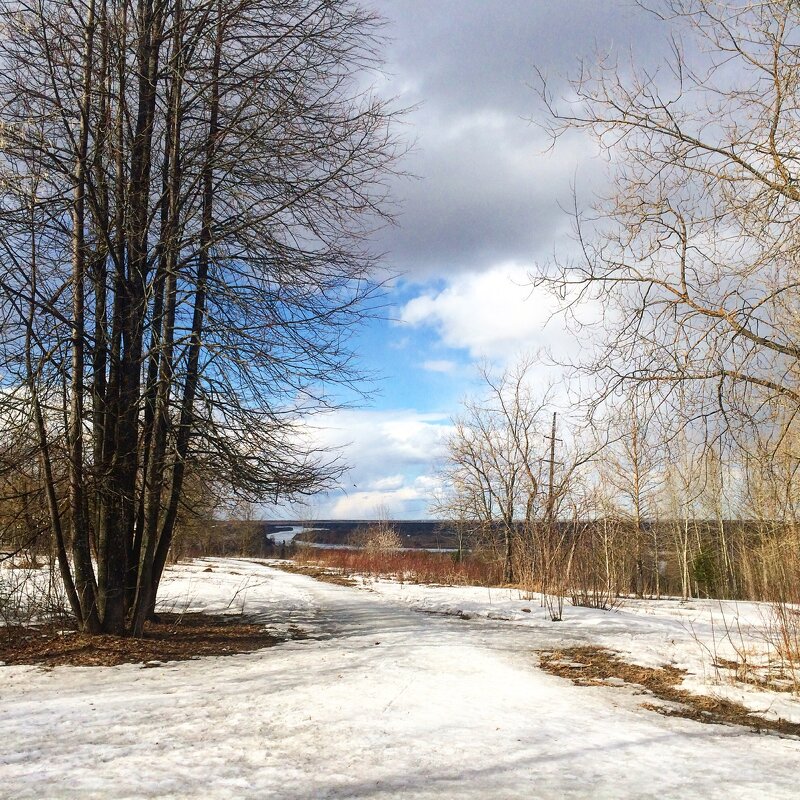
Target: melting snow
x,y
381,701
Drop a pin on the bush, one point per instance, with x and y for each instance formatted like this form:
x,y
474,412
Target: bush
x,y
414,566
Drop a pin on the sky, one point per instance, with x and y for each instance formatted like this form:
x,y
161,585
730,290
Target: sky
x,y
488,203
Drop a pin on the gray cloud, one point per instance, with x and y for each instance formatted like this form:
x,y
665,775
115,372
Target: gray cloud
x,y
476,53
485,195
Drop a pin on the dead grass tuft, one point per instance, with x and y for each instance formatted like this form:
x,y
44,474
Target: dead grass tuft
x,y
594,666
315,571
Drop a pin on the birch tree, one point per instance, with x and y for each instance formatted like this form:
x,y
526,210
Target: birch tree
x,y
631,465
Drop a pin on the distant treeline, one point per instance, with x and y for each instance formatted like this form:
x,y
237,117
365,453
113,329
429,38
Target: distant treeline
x,y
413,533
714,558
251,537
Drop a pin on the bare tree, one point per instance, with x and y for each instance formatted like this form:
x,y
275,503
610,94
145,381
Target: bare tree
x,y
513,478
188,187
632,465
679,495
695,250
715,505
599,559
693,253
493,466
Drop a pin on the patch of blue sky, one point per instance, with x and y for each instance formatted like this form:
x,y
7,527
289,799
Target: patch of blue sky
x,y
409,364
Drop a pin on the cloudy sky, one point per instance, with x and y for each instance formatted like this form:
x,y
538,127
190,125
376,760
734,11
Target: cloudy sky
x,y
485,207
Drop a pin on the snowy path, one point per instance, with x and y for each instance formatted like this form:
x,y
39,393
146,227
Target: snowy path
x,y
380,701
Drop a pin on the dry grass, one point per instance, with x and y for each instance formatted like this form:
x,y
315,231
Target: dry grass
x,y
593,666
175,637
784,635
314,571
409,566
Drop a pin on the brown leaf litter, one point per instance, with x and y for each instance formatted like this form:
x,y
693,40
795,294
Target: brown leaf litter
x,y
173,637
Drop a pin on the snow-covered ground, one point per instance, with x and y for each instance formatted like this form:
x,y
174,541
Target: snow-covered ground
x,y
697,636
383,701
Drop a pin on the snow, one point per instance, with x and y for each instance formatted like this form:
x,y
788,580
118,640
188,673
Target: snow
x,y
692,635
382,701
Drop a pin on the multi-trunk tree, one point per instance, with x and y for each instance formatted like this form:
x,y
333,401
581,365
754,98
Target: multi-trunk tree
x,y
186,187
493,464
509,476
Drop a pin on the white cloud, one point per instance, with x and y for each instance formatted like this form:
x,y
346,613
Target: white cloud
x,y
393,456
411,500
492,314
389,483
440,365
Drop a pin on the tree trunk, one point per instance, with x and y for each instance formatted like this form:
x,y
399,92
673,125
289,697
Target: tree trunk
x,y
81,551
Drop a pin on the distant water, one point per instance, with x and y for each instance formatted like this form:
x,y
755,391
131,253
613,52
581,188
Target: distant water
x,y
284,537
287,536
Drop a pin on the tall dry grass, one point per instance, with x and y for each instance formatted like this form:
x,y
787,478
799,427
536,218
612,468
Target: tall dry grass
x,y
409,566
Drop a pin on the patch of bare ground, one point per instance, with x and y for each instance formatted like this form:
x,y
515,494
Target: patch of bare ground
x,y
173,637
596,666
314,571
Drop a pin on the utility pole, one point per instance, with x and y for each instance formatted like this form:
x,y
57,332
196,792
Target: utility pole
x,y
551,478
552,597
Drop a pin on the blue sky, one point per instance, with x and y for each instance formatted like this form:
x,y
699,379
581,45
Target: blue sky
x,y
485,207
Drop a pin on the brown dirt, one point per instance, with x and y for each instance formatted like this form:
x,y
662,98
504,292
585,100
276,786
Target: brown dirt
x,y
597,665
174,637
314,571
